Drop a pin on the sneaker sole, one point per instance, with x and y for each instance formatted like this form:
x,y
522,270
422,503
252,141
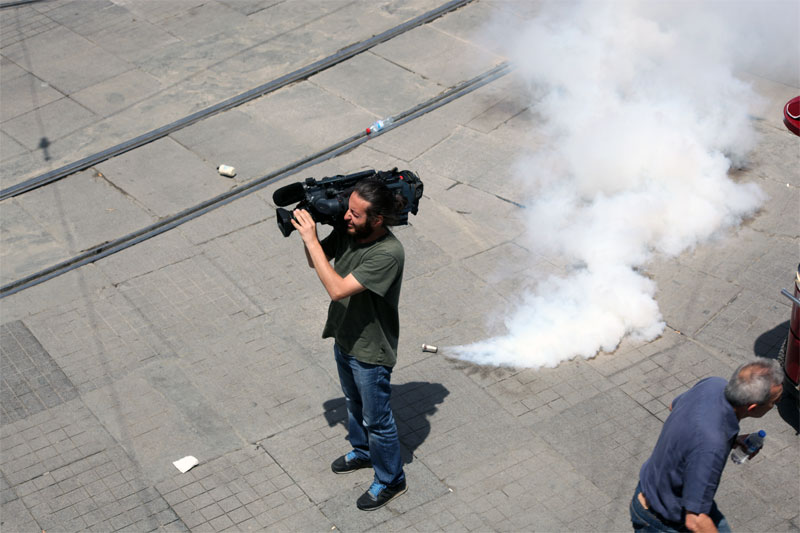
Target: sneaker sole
x,y
350,471
387,501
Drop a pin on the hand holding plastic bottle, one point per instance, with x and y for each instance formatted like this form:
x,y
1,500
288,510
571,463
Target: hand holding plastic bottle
x,y
747,446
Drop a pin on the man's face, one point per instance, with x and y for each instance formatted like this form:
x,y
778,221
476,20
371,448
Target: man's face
x,y
356,217
774,395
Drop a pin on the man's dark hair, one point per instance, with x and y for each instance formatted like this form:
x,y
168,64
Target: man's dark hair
x,y
382,201
751,382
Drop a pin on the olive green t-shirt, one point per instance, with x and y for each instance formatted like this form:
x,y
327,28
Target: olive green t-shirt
x,y
366,325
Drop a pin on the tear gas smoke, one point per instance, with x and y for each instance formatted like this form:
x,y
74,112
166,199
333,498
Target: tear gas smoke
x,y
644,118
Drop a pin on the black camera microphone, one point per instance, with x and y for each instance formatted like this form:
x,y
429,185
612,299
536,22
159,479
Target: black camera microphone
x,y
289,194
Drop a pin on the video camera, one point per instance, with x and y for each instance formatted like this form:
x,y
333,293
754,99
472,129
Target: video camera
x,y
327,199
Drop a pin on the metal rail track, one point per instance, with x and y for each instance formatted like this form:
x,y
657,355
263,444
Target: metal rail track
x,y
300,74
166,224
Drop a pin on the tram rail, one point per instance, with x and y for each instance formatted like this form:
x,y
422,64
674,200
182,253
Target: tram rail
x,y
168,223
299,74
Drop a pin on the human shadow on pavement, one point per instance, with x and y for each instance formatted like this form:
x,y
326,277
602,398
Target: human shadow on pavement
x,y
768,345
412,404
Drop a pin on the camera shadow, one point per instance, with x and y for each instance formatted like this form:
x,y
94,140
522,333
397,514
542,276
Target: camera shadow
x,y
412,404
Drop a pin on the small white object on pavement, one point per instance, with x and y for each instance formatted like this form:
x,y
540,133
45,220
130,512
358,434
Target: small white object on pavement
x,y
226,170
186,464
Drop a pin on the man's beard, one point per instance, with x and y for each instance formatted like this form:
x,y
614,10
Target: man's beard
x,y
362,232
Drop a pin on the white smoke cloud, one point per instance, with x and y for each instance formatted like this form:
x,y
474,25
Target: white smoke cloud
x,y
644,118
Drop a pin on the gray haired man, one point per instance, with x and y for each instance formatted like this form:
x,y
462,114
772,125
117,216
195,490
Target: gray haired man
x,y
678,482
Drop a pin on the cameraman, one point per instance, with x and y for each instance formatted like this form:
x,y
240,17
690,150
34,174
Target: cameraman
x,y
364,286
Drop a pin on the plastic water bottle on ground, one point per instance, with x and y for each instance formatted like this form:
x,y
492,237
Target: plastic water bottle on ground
x,y
753,442
378,125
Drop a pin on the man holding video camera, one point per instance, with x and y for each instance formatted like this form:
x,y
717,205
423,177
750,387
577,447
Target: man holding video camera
x,y
364,286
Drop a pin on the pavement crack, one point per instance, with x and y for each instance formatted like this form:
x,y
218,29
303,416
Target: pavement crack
x,y
126,194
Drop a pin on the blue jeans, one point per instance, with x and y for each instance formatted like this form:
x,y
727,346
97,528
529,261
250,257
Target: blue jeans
x,y
646,521
371,429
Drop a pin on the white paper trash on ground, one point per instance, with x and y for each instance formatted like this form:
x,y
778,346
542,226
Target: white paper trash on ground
x,y
186,464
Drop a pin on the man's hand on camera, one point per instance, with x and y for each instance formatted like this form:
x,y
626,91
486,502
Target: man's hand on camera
x,y
305,225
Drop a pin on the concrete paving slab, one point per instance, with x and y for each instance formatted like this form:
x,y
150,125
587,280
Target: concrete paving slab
x,y
747,326
11,70
9,147
164,177
21,24
437,56
178,61
688,298
85,18
57,54
78,284
469,231
117,93
160,251
452,159
202,21
84,210
376,85
260,64
249,7
26,246
53,154
32,381
87,479
158,11
309,116
38,128
168,420
244,490
16,516
133,39
425,298
23,93
239,139
470,24
227,219
89,338
415,138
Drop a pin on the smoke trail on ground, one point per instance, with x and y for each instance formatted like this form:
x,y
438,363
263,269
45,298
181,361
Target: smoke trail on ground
x,y
643,118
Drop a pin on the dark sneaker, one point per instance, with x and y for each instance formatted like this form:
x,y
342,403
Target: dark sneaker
x,y
349,463
379,495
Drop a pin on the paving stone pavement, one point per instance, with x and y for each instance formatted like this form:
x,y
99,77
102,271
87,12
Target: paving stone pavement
x,y
204,340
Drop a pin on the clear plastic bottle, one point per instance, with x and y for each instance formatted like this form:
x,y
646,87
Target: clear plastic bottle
x,y
378,125
754,441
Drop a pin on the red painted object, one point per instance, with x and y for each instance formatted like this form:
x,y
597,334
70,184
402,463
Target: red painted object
x,y
791,115
789,356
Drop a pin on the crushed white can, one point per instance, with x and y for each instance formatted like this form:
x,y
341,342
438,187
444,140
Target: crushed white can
x,y
226,170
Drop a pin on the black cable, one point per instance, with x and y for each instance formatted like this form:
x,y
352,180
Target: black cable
x,y
186,215
297,75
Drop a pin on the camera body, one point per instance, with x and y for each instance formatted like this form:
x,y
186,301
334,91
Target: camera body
x,y
326,200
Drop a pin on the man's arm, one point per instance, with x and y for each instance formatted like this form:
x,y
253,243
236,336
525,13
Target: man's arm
x,y
337,286
700,523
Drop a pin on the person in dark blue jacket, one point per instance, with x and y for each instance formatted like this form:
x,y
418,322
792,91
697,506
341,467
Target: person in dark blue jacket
x,y
678,482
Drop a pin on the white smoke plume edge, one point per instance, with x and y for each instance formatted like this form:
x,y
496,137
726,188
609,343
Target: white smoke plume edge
x,y
644,119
